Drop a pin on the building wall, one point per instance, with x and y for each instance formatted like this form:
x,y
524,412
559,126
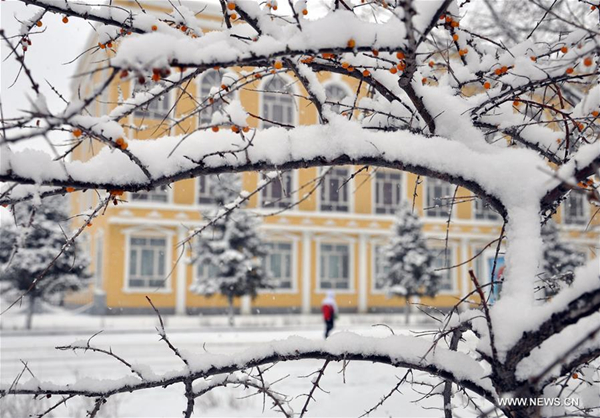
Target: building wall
x,y
305,225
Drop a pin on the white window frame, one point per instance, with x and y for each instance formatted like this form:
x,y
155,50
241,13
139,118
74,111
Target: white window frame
x,y
374,247
145,232
293,90
349,185
151,203
286,239
351,260
579,221
486,219
343,86
374,191
197,190
453,248
293,194
427,205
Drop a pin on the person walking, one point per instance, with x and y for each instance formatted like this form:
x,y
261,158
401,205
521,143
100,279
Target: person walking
x,y
330,310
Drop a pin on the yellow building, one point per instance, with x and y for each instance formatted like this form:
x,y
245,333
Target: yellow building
x,y
329,240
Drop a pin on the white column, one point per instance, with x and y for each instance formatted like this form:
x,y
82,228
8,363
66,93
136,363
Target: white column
x,y
181,277
306,272
246,305
362,273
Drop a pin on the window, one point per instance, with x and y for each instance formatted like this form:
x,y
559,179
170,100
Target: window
x,y
388,191
147,258
206,270
443,259
336,94
279,263
158,108
278,103
439,198
483,211
335,194
210,80
276,195
205,186
98,263
574,209
335,266
380,268
160,194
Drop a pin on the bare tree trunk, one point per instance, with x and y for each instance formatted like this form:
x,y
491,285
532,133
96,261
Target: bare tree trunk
x,y
230,311
407,313
30,310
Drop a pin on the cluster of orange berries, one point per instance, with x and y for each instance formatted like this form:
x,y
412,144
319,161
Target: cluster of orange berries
x,y
25,43
501,70
271,4
450,21
108,44
158,73
401,66
121,143
585,185
463,52
234,128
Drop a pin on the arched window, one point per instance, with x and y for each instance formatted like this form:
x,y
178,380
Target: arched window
x,y
278,103
336,94
209,80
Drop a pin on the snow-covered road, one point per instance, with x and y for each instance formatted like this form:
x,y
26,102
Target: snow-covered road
x,y
350,393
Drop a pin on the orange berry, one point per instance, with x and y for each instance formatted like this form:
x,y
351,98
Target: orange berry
x,y
595,113
516,103
393,70
504,69
400,55
351,43
345,64
304,12
487,85
424,80
580,126
258,75
455,37
215,129
498,71
120,141
234,15
124,73
231,6
463,52
278,65
569,70
401,66
375,53
275,7
89,225
350,69
183,28
102,46
575,376
125,145
564,50
38,23
109,44
587,61
534,58
211,100
593,8
70,189
77,133
65,19
455,24
245,129
366,73
154,27
155,77
223,87
431,64
442,17
235,129
448,19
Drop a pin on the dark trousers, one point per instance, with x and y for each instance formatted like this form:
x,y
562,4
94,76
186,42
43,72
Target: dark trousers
x,y
328,327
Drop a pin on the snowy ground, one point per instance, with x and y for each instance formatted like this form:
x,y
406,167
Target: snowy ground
x,y
364,383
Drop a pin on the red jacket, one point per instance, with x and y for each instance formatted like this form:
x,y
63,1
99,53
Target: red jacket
x,y
328,312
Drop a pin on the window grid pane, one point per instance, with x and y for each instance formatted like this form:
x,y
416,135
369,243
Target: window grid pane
x,y
574,209
274,195
335,267
443,259
336,94
278,104
439,198
158,108
279,263
210,80
334,196
388,192
160,194
483,211
147,262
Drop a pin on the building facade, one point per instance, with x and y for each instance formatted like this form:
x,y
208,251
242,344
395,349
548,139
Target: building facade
x,y
328,240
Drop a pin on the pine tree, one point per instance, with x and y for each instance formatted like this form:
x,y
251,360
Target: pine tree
x,y
28,248
407,262
232,251
560,260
